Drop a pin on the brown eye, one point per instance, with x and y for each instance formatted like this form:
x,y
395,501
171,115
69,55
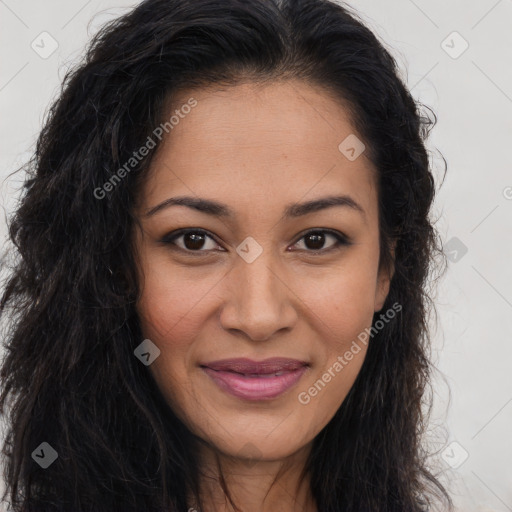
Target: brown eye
x,y
192,241
315,240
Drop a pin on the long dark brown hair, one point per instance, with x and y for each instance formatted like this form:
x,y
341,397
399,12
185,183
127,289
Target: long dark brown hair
x,y
69,376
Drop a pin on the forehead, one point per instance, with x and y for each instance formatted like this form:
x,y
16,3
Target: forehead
x,y
258,146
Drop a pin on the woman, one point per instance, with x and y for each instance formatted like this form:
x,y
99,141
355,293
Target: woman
x,y
220,297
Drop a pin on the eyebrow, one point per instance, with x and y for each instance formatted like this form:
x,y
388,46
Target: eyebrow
x,y
221,210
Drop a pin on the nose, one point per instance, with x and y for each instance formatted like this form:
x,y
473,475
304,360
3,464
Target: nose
x,y
259,301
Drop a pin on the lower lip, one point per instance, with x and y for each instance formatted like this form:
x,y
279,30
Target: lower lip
x,y
255,388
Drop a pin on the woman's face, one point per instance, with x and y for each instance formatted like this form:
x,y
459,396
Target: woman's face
x,y
259,284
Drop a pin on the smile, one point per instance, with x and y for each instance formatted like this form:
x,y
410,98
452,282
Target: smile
x,y
250,380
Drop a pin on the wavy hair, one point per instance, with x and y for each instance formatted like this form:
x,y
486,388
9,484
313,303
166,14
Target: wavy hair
x,y
69,375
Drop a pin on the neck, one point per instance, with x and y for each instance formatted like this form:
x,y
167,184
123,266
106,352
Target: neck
x,y
255,486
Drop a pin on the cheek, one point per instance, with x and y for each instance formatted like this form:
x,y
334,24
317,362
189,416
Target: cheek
x,y
342,299
171,297
171,313
340,310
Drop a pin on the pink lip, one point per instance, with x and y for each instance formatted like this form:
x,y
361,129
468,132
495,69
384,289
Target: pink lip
x,y
252,380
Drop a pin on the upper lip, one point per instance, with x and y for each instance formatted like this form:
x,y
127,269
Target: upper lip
x,y
248,366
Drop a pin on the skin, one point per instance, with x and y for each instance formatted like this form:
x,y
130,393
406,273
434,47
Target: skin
x,y
257,149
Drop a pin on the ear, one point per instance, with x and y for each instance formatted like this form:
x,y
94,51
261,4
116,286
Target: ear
x,y
384,279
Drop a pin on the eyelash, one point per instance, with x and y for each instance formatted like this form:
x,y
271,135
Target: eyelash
x,y
341,240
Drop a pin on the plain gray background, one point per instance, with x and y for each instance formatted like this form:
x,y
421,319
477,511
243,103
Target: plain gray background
x,y
470,89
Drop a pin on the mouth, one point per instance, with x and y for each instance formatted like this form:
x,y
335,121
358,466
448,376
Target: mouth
x,y
253,380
